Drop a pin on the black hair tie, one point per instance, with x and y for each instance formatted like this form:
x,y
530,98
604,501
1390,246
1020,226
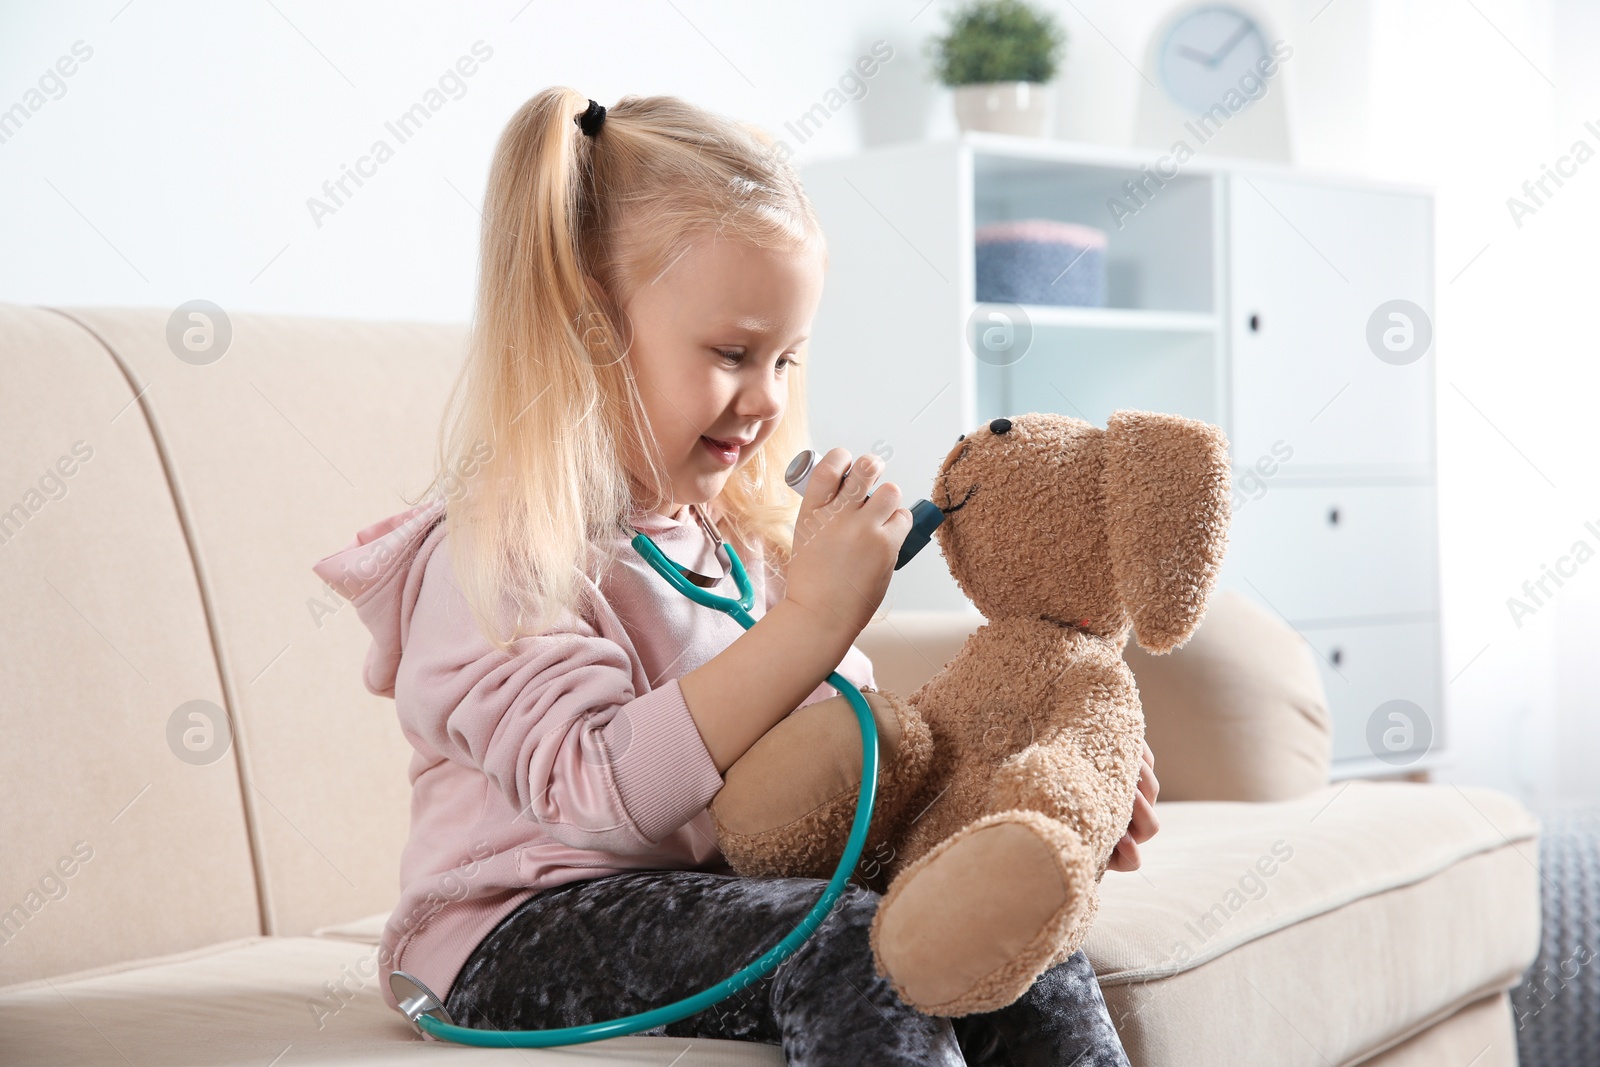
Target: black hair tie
x,y
591,119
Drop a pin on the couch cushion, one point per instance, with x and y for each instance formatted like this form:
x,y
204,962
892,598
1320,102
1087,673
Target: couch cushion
x,y
303,431
1479,1035
123,836
291,1000
1398,902
367,930
1238,713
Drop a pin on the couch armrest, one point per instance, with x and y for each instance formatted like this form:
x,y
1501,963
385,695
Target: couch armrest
x,y
1237,713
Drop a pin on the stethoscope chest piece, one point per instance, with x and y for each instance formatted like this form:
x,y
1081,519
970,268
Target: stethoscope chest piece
x,y
416,1000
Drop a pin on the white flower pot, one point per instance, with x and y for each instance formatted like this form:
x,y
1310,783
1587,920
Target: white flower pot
x,y
1004,107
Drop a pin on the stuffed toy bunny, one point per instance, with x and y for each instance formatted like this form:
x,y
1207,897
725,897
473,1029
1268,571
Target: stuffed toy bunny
x,y
1008,778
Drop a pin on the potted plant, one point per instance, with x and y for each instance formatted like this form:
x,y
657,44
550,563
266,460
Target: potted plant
x,y
997,57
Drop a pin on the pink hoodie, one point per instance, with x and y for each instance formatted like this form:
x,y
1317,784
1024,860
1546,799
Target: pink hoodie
x,y
574,758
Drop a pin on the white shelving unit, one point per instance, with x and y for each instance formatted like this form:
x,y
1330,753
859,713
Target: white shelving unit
x,y
1239,293
1116,319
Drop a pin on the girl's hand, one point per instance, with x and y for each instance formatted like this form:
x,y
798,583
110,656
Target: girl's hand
x,y
1143,825
845,544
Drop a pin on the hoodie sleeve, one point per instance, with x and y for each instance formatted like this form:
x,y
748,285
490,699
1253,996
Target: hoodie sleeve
x,y
556,727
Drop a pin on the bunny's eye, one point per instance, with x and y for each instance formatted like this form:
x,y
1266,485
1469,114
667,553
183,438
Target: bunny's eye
x,y
1000,426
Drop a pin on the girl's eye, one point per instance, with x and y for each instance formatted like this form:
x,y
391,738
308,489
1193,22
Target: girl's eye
x,y
736,357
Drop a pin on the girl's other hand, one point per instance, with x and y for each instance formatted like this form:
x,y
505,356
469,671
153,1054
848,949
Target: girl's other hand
x,y
1143,825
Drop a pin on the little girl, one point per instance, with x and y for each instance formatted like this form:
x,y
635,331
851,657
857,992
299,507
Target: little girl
x,y
649,274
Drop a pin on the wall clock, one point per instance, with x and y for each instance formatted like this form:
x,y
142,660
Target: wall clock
x,y
1214,80
1205,54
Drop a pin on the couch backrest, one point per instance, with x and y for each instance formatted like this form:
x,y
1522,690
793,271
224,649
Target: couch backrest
x,y
173,565
189,753
114,847
1239,712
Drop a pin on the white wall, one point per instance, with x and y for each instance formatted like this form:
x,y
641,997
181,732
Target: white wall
x,y
178,162
1476,102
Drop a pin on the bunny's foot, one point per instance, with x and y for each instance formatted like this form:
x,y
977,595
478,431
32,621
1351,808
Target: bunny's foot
x,y
970,925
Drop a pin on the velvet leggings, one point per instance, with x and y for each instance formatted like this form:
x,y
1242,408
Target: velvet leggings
x,y
593,950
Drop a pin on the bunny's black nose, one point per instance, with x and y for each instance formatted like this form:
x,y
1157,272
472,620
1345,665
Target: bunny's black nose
x,y
1000,426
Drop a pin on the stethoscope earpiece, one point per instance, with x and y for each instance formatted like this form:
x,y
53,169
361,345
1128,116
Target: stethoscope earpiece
x,y
719,548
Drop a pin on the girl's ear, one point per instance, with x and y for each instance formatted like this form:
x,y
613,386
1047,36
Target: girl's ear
x,y
1166,484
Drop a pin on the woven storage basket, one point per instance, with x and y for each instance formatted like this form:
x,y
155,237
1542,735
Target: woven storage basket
x,y
1041,261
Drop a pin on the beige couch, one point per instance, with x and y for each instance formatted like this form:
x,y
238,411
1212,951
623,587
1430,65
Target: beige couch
x,y
177,895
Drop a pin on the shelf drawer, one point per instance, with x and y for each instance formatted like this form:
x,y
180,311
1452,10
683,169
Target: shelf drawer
x,y
1365,667
1313,270
1336,552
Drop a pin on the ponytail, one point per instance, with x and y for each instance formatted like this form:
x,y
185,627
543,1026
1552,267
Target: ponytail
x,y
573,224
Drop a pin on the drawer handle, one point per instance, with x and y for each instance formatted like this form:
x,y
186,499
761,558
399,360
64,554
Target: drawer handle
x,y
1336,657
1255,323
1333,516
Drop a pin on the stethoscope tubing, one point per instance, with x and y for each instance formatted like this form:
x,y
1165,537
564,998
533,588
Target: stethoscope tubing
x,y
737,608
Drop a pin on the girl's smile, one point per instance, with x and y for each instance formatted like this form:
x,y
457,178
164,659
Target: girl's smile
x,y
725,453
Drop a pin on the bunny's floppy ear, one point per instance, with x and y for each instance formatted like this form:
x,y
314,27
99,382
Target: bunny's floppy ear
x,y
1166,486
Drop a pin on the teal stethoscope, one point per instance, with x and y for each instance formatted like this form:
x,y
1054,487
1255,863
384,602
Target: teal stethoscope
x,y
427,1012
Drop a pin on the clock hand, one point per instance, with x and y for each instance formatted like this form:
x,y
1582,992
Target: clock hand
x,y
1194,54
1230,44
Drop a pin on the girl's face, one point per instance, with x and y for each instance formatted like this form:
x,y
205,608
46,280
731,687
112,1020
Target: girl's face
x,y
713,338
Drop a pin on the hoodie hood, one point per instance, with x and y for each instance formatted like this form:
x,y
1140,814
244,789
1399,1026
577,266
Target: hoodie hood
x,y
371,572
380,572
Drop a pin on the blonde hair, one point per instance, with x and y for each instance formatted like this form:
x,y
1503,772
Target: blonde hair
x,y
542,423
